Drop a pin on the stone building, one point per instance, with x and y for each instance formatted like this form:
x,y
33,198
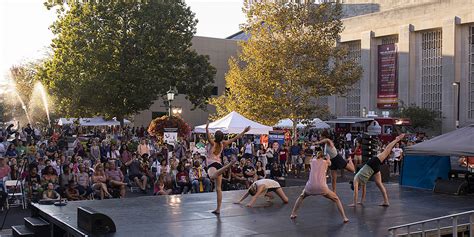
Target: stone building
x,y
412,52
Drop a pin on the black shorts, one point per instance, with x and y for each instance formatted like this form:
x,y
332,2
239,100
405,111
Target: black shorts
x,y
216,165
272,190
338,163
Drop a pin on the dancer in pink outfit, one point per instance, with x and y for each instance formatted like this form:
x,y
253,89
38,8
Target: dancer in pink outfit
x,y
317,185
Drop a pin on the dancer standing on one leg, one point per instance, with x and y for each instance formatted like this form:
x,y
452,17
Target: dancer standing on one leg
x,y
337,162
317,185
263,186
372,167
214,165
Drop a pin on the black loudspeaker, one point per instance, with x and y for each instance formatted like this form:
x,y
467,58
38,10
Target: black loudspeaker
x,y
94,222
453,187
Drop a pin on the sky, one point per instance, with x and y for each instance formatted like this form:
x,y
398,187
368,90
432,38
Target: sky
x,y
24,33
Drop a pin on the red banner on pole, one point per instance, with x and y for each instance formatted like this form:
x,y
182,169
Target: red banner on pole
x,y
387,92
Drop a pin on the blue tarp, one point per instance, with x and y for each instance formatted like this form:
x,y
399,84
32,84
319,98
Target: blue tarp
x,y
421,171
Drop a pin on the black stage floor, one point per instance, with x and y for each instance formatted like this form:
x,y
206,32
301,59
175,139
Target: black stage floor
x,y
190,215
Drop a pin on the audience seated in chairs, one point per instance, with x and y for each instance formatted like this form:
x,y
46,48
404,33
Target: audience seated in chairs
x,y
238,181
33,185
135,174
182,180
71,193
83,182
163,185
200,181
249,173
115,178
50,193
64,179
99,181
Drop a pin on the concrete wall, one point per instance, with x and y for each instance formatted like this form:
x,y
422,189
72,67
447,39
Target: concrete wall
x,y
219,51
407,19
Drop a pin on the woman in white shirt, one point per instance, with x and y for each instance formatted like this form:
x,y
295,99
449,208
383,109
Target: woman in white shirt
x,y
397,157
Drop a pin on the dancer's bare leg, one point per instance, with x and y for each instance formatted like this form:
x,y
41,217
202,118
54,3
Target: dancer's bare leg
x,y
331,195
282,195
219,172
219,194
350,166
298,203
333,179
378,181
364,191
356,193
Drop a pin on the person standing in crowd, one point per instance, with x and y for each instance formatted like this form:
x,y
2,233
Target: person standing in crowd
x,y
358,154
143,148
214,163
308,155
372,168
397,158
94,153
295,151
283,156
348,140
262,156
317,185
337,162
248,150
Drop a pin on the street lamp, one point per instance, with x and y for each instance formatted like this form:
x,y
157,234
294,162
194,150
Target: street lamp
x,y
177,111
170,96
457,84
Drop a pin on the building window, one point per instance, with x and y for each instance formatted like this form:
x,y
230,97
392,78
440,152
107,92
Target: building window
x,y
431,70
353,95
215,90
392,39
471,72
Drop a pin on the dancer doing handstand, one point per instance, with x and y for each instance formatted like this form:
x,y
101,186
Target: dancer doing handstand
x,y
317,185
215,169
263,186
337,162
372,167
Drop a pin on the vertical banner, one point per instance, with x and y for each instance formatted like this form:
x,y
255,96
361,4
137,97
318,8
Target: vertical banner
x,y
387,89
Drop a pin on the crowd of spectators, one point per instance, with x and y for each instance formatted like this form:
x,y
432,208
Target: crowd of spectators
x,y
82,163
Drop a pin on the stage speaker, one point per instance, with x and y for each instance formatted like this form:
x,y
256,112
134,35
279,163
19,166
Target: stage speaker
x,y
94,222
453,187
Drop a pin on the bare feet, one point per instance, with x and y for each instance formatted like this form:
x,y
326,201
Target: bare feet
x,y
216,212
385,204
351,205
293,216
360,203
346,220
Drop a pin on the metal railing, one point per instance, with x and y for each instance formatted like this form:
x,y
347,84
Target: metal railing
x,y
454,217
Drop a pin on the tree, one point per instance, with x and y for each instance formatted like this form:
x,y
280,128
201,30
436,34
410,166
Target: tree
x,y
158,125
114,58
290,60
421,118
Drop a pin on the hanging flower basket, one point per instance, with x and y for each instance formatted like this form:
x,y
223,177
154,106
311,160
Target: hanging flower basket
x,y
158,125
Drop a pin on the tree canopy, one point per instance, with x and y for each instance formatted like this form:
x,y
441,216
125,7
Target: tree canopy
x,y
421,118
290,60
114,58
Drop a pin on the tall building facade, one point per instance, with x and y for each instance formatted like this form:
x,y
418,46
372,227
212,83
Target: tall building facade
x,y
412,52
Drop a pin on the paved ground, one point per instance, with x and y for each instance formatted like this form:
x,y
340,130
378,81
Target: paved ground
x,y
16,215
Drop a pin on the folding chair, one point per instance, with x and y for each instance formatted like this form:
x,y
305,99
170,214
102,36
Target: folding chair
x,y
14,190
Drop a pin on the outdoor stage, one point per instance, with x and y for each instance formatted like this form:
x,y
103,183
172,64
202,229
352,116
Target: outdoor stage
x,y
190,215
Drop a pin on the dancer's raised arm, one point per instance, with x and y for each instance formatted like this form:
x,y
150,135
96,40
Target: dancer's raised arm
x,y
385,153
208,134
227,142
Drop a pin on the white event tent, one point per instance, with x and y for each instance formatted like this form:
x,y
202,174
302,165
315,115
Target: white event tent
x,y
234,123
92,122
315,123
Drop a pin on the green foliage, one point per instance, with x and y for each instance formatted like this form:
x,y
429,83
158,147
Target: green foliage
x,y
114,58
290,60
421,118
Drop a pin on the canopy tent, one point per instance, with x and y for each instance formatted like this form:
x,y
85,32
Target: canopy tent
x,y
92,122
315,123
234,123
423,163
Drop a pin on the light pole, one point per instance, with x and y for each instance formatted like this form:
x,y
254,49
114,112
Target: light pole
x,y
177,111
170,96
458,87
